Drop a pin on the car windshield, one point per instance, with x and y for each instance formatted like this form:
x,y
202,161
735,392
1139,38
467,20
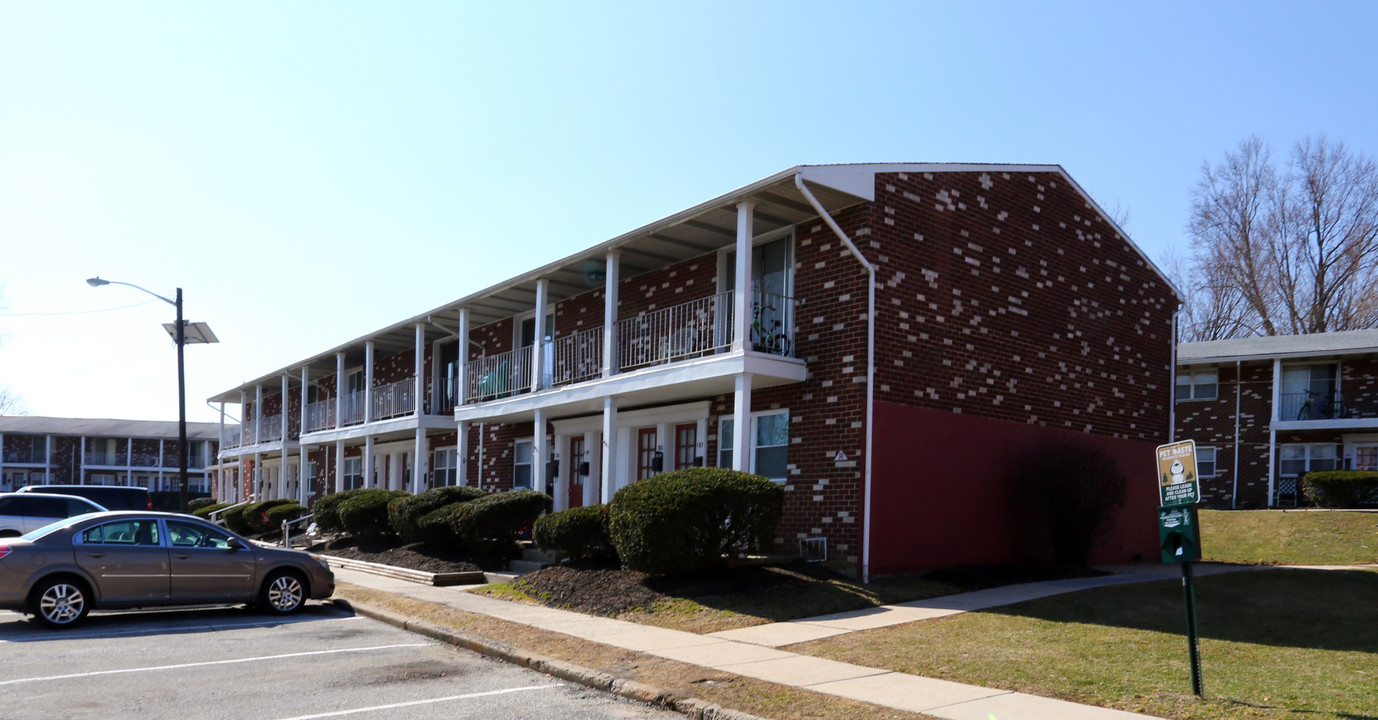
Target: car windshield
x,y
50,527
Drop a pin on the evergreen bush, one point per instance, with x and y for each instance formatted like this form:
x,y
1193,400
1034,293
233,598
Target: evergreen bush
x,y
365,514
687,520
253,514
198,503
1341,488
327,510
489,524
580,532
278,514
405,513
205,510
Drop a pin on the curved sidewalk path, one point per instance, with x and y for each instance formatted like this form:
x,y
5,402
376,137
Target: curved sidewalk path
x,y
753,652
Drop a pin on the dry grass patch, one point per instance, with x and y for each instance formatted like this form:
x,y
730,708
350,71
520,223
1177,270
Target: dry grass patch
x,y
751,696
1290,537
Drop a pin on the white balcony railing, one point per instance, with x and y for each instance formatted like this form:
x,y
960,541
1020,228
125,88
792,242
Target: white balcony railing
x,y
271,430
353,409
576,357
499,376
103,458
320,415
675,333
234,436
394,399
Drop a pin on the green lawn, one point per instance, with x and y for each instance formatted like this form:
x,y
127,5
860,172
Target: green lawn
x,y
1289,537
1275,644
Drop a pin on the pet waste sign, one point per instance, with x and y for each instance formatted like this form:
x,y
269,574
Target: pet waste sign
x,y
1177,480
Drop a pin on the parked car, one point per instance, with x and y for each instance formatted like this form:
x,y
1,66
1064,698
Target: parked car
x,y
126,559
21,513
112,497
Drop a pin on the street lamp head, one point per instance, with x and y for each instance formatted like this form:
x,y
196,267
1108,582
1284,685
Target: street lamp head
x,y
96,282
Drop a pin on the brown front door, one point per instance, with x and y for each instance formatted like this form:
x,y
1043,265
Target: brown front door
x,y
686,442
576,481
645,453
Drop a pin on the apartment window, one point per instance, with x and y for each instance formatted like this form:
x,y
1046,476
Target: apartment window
x,y
770,444
1205,462
446,469
1308,392
1299,459
521,464
1197,385
353,473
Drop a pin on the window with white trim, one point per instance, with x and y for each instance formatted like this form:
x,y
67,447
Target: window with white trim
x,y
1299,459
353,473
446,469
1205,461
1198,385
769,444
521,464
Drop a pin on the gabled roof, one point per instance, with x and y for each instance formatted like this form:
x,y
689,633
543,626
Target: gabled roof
x,y
1352,342
690,233
103,427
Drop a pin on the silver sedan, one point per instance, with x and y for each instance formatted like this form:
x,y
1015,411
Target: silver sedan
x,y
131,559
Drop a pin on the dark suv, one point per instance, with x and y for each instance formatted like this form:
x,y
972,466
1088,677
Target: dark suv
x,y
112,497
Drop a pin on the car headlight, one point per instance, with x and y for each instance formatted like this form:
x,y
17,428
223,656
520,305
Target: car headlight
x,y
320,560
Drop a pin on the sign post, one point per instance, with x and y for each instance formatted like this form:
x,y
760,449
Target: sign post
x,y
1179,532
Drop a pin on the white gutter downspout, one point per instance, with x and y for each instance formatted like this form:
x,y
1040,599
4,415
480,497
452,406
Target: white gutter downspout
x,y
870,369
1172,383
1238,383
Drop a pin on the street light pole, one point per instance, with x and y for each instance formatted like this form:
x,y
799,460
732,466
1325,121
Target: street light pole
x,y
203,334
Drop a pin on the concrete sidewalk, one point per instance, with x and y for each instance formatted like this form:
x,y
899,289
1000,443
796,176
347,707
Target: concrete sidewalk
x,y
753,652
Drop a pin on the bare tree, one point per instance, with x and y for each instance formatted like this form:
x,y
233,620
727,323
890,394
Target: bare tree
x,y
1283,252
10,403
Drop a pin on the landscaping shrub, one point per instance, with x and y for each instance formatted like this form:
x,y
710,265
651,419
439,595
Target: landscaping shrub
x,y
327,510
434,528
278,514
686,521
236,520
581,532
253,514
365,514
205,510
198,503
1341,488
405,513
489,524
1071,491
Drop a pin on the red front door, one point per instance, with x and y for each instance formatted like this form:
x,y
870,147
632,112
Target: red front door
x,y
576,481
686,444
645,452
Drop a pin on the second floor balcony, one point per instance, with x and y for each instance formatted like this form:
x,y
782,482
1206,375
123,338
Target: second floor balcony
x,y
25,457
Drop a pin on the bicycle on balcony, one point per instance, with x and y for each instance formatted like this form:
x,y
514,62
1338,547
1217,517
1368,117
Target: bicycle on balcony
x,y
1321,407
766,334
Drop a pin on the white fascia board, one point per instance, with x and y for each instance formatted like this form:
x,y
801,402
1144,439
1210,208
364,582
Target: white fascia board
x,y
1307,355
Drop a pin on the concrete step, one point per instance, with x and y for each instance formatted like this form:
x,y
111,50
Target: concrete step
x,y
522,567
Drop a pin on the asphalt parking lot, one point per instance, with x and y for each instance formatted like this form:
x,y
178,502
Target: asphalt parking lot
x,y
233,663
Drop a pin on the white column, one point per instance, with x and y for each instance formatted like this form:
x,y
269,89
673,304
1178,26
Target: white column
x,y
48,459
593,445
610,284
258,414
256,480
538,348
244,438
741,423
301,475
741,292
609,448
462,454
282,473
418,463
561,494
540,453
1272,434
305,383
221,430
420,377
81,478
368,381
339,465
368,461
462,392
286,395
339,393
162,448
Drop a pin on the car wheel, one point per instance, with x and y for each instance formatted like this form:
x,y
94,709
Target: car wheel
x,y
60,602
282,594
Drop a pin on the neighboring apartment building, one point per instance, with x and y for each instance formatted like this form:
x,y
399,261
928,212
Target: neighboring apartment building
x,y
886,341
81,451
1275,408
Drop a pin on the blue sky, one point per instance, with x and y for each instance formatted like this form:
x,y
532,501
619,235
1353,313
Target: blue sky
x,y
311,171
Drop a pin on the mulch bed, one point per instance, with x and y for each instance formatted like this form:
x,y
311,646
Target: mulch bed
x,y
414,556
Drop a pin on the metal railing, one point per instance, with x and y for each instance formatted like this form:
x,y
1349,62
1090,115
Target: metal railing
x,y
25,457
234,436
102,458
215,517
287,530
675,333
576,357
394,399
320,415
353,409
1310,406
499,376
272,428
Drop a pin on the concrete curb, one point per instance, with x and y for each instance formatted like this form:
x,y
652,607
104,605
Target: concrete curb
x,y
632,690
416,576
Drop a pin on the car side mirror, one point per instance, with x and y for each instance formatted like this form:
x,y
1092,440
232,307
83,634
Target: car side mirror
x,y
234,544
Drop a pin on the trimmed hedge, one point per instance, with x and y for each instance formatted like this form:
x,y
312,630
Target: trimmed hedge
x,y
327,510
580,532
405,513
1341,488
253,514
278,514
685,521
205,511
236,521
434,528
487,525
365,514
198,503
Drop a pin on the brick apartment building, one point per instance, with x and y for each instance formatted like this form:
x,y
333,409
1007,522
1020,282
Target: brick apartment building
x,y
886,341
1266,410
81,451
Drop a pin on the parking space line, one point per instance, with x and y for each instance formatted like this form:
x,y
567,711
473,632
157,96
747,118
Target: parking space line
x,y
69,635
180,666
413,703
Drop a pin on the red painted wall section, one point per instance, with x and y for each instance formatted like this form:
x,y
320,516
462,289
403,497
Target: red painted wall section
x,y
942,492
